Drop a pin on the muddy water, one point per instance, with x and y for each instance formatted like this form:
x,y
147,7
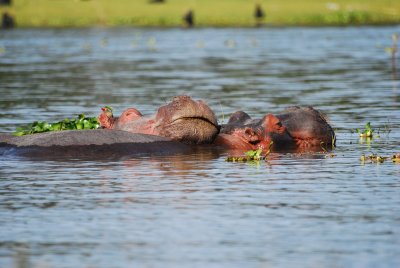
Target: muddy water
x,y
197,210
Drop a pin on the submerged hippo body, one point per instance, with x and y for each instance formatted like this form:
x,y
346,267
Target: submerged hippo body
x,y
297,129
180,122
92,143
183,119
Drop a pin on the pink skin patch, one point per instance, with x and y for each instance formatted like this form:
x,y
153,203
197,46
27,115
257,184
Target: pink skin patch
x,y
129,115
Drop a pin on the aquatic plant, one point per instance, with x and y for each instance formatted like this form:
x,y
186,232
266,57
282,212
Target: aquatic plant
x,y
325,148
251,155
79,123
374,158
254,154
396,158
386,129
367,132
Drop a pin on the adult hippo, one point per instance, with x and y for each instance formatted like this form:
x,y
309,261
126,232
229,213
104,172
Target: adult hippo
x,y
297,129
183,119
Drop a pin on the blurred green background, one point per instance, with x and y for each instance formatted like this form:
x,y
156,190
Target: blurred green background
x,y
219,13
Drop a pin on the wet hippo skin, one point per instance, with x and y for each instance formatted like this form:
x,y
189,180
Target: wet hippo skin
x,y
100,142
296,129
183,119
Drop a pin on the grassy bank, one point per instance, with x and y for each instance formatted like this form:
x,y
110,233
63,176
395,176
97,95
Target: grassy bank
x,y
77,13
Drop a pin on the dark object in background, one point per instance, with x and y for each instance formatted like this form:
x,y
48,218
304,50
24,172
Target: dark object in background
x,y
259,15
7,21
189,18
156,1
5,2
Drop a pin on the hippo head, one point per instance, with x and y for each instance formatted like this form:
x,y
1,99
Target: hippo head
x,y
298,129
243,133
183,119
309,128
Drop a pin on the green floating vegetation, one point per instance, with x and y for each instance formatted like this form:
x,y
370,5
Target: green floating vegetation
x,y
251,156
79,123
396,158
368,132
374,158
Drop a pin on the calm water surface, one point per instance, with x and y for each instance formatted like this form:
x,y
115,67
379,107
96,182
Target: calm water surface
x,y
198,210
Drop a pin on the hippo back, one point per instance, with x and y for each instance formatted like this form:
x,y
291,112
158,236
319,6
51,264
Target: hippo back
x,y
76,143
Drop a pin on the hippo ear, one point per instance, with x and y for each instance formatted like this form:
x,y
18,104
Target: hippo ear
x,y
238,117
271,123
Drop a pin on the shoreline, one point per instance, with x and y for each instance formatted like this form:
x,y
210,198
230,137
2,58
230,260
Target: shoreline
x,y
94,26
206,13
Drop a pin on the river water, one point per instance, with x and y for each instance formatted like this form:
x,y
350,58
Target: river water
x,y
197,210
